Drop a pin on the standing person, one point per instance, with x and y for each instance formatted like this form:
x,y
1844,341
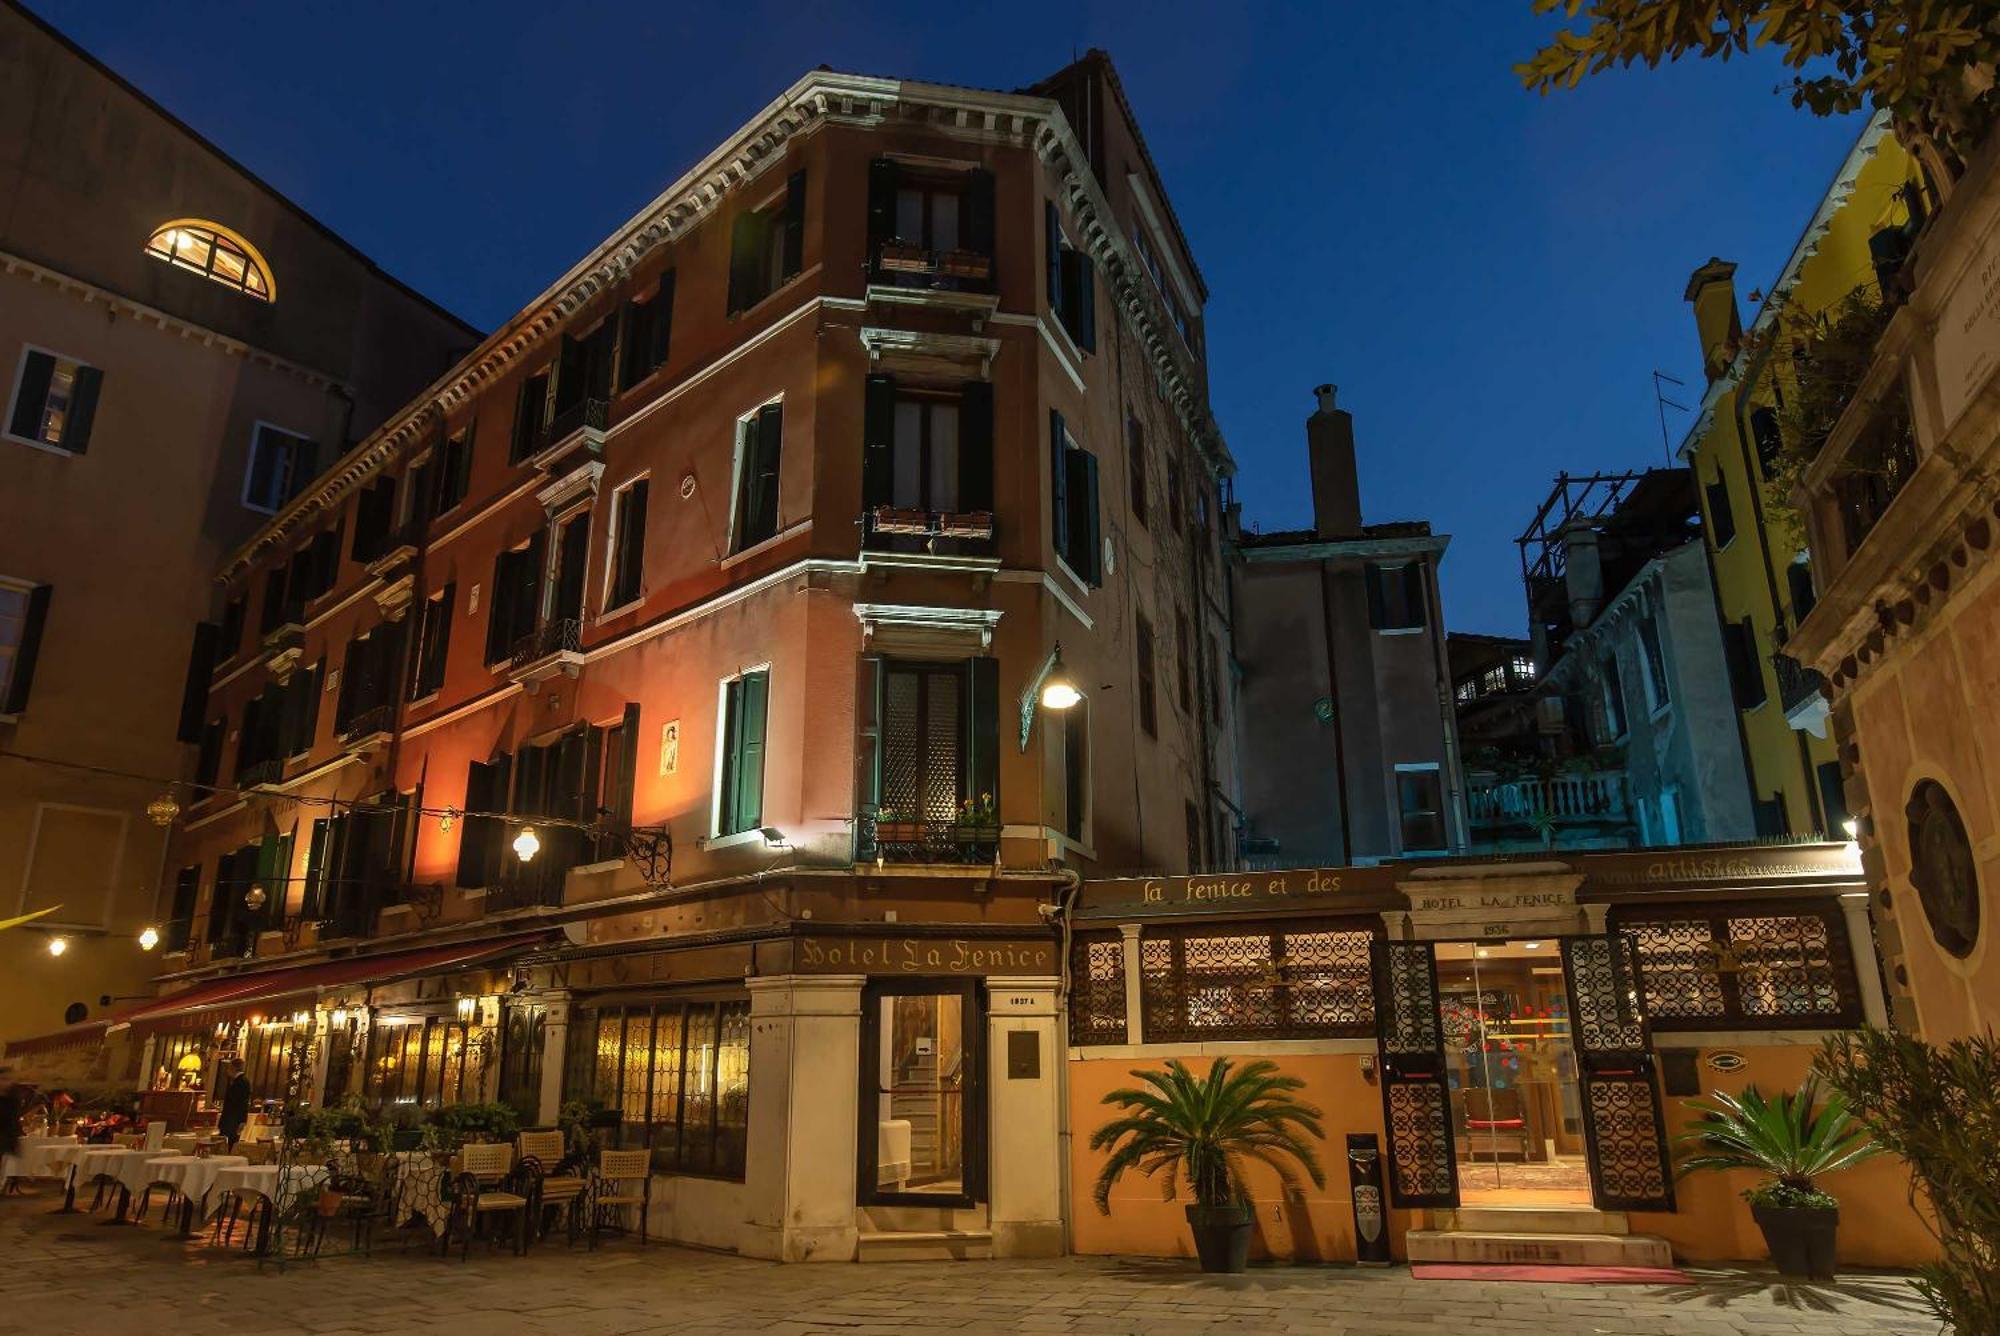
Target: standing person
x,y
235,1104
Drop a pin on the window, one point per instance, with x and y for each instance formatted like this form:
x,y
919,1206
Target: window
x,y
1308,979
930,227
1721,519
1715,968
585,364
1073,504
278,610
1142,242
1615,723
298,724
370,675
1097,988
174,933
229,641
1184,660
374,520
1467,691
1746,674
1653,660
433,643
55,401
453,465
648,332
1396,597
1770,442
1799,583
315,566
194,687
628,544
760,441
312,895
678,1071
482,838
531,416
1071,283
281,464
420,1060
514,604
1493,680
208,760
1420,802
24,610
1148,710
215,252
1076,769
1135,467
767,247
1522,668
928,449
740,794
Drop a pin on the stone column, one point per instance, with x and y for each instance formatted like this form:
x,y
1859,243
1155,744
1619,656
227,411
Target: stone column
x,y
1867,971
555,1059
1024,1142
322,1053
805,1078
1135,1014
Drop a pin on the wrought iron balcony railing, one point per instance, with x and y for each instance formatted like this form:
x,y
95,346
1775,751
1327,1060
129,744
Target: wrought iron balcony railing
x,y
260,772
1797,683
558,635
914,529
374,719
906,264
891,840
1593,797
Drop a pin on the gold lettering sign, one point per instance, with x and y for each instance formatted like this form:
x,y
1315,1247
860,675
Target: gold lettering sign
x,y
1223,890
912,955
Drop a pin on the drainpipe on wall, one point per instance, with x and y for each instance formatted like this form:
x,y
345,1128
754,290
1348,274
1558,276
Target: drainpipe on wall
x,y
1065,902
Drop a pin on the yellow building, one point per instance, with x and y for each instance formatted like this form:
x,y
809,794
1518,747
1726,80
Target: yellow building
x,y
1760,563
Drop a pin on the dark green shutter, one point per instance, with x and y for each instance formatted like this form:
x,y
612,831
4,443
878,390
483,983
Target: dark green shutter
x,y
31,396
1079,288
868,735
878,443
619,800
274,874
982,731
1058,485
194,691
744,793
1084,556
884,179
28,649
795,224
1093,557
474,838
312,901
496,611
82,412
975,447
631,543
770,453
572,362
976,228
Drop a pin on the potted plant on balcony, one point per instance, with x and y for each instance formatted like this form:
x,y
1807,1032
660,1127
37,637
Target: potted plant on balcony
x,y
1203,1129
1793,1138
978,822
964,264
894,827
905,257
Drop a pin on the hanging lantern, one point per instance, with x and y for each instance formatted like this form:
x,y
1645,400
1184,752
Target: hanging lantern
x,y
163,810
527,844
149,939
254,898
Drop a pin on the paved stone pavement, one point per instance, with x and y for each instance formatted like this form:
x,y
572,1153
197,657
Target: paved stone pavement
x,y
61,1274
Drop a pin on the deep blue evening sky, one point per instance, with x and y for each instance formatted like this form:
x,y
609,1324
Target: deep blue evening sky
x,y
1490,277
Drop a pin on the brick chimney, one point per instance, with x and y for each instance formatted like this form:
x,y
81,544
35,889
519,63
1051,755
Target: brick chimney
x,y
1583,572
1336,488
1712,289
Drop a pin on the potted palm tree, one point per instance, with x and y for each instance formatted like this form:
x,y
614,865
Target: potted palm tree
x,y
1793,1138
1202,1129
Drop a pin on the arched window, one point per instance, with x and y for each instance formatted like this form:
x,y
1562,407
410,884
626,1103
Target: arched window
x,y
214,250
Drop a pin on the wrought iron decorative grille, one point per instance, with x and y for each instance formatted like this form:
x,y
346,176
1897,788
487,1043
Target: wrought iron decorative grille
x,y
1604,994
1716,969
1626,1142
1420,1147
1307,980
1410,994
1097,989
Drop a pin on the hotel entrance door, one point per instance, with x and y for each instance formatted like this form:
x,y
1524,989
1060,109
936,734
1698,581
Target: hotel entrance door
x,y
923,1093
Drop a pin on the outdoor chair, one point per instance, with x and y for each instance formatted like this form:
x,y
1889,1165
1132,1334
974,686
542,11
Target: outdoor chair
x,y
561,1183
624,1179
488,1183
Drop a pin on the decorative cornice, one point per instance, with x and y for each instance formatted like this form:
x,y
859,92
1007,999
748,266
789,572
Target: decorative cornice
x,y
821,96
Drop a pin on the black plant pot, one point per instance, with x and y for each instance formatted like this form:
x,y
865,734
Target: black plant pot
x,y
1800,1238
1221,1236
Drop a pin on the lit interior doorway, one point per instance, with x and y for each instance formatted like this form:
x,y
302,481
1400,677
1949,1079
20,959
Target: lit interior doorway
x,y
1517,1111
921,1055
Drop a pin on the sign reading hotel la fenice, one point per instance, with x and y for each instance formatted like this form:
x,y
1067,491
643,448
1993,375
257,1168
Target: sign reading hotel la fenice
x,y
921,955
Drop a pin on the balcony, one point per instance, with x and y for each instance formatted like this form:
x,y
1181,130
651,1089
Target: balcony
x,y
261,774
936,533
285,629
539,884
575,430
355,909
955,279
880,839
1802,691
1873,470
1589,809
369,728
556,646
398,548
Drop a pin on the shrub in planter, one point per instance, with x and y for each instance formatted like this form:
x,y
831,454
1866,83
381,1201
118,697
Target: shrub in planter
x,y
1939,1109
456,1124
1202,1129
1793,1138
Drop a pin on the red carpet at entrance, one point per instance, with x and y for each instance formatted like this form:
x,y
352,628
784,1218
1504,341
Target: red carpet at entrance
x,y
1556,1275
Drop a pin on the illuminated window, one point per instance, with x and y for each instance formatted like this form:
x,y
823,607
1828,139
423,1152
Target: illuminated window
x,y
209,249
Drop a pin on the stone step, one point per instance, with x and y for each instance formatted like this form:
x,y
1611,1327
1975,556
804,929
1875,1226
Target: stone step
x,y
1494,1246
925,1245
1533,1220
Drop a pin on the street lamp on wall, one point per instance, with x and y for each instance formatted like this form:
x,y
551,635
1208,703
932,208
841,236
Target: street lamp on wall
x,y
527,844
1052,688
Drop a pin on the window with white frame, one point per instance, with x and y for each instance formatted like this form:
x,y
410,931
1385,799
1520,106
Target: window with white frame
x,y
23,608
1653,661
760,442
54,401
626,562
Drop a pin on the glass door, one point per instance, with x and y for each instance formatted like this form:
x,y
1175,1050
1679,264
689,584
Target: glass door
x,y
923,1110
1516,1108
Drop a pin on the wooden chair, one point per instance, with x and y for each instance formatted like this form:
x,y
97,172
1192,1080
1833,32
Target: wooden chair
x,y
482,1188
611,1189
560,1185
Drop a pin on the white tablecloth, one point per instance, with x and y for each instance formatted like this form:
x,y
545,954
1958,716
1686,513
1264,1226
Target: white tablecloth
x,y
262,1180
97,1160
30,1158
191,1175
137,1172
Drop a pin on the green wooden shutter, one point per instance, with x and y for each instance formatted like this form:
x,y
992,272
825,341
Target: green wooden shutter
x,y
497,597
975,447
28,650
747,801
1058,485
868,736
1080,292
274,871
83,393
312,900
31,395
619,800
1085,556
982,731
770,456
878,443
795,224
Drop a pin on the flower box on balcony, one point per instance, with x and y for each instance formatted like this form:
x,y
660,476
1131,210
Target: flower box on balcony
x,y
895,519
965,524
964,264
899,832
904,258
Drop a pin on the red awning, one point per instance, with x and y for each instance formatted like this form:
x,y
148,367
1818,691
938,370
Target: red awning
x,y
267,986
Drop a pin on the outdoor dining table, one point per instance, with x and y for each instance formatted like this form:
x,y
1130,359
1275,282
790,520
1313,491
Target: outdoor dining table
x,y
420,1181
135,1173
273,1183
103,1162
29,1159
193,1176
63,1159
